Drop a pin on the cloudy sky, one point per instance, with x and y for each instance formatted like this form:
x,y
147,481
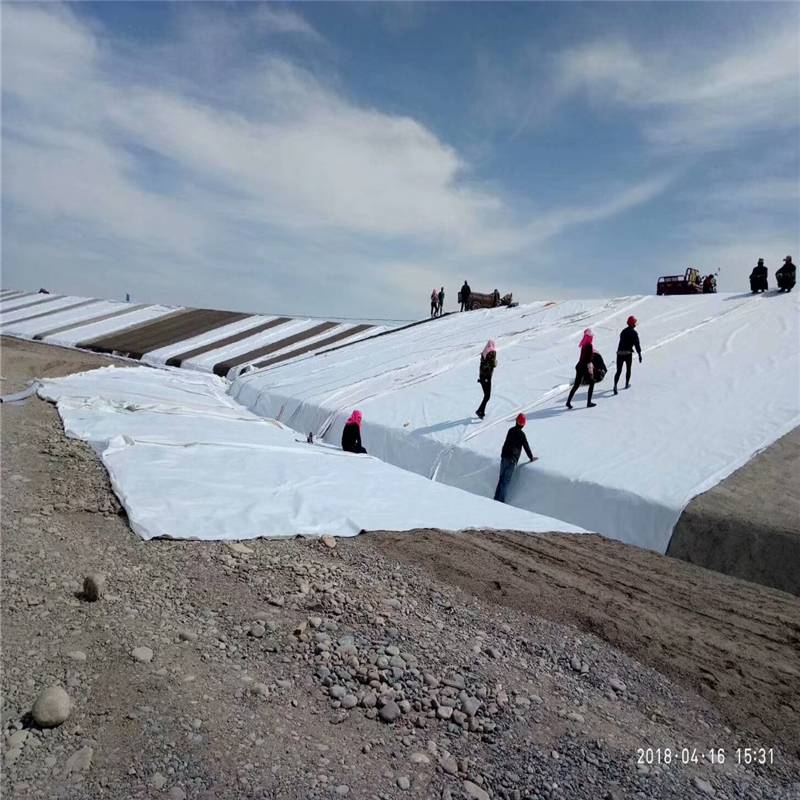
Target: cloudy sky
x,y
342,159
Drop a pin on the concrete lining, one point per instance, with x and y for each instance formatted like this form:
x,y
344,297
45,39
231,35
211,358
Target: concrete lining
x,y
313,346
176,361
52,311
164,331
224,367
89,321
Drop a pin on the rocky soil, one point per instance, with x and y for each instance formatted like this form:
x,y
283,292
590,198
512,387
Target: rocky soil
x,y
305,669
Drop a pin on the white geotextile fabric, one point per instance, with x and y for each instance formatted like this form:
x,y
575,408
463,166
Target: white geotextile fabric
x,y
93,330
22,309
719,382
69,316
188,462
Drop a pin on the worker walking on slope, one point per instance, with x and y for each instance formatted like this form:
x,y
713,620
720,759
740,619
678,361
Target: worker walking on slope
x,y
487,366
434,303
351,435
584,369
628,342
441,301
509,456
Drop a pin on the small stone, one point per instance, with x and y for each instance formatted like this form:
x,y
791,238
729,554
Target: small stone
x,y
176,793
77,655
616,684
705,787
470,706
51,708
241,549
16,740
257,631
260,689
420,758
444,712
575,717
575,663
187,635
449,765
329,542
349,701
79,761
473,791
369,700
94,586
390,712
337,692
404,783
315,622
455,680
144,655
158,781
342,790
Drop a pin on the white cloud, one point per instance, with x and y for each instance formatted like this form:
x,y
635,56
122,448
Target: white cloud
x,y
703,99
291,178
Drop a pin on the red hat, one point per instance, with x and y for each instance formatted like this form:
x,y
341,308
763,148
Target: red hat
x,y
521,420
632,320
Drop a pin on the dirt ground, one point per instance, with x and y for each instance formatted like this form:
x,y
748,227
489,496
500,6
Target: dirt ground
x,y
417,665
749,525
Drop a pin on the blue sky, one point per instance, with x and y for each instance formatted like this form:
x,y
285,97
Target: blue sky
x,y
342,159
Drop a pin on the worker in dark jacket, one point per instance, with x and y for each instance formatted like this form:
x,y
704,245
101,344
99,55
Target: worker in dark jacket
x,y
513,446
628,342
485,371
786,275
584,369
441,301
758,277
465,293
351,435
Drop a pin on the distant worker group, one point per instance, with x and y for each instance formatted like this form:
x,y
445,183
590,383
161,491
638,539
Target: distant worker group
x,y
785,276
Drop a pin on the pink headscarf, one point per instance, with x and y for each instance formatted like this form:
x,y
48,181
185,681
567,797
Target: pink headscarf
x,y
588,338
490,348
355,418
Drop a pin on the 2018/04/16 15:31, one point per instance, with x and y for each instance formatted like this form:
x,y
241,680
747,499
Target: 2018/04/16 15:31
x,y
713,755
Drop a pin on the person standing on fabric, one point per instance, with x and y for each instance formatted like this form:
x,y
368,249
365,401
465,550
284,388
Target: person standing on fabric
x,y
488,363
584,369
786,275
628,342
434,303
515,442
465,293
441,301
351,435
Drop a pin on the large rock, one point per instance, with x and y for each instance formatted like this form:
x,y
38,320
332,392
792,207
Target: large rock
x,y
94,586
52,707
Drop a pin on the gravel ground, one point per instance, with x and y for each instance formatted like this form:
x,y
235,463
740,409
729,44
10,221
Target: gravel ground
x,y
297,669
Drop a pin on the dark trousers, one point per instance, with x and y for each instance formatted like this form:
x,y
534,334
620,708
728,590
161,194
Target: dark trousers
x,y
486,385
626,360
434,309
465,304
507,466
581,372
